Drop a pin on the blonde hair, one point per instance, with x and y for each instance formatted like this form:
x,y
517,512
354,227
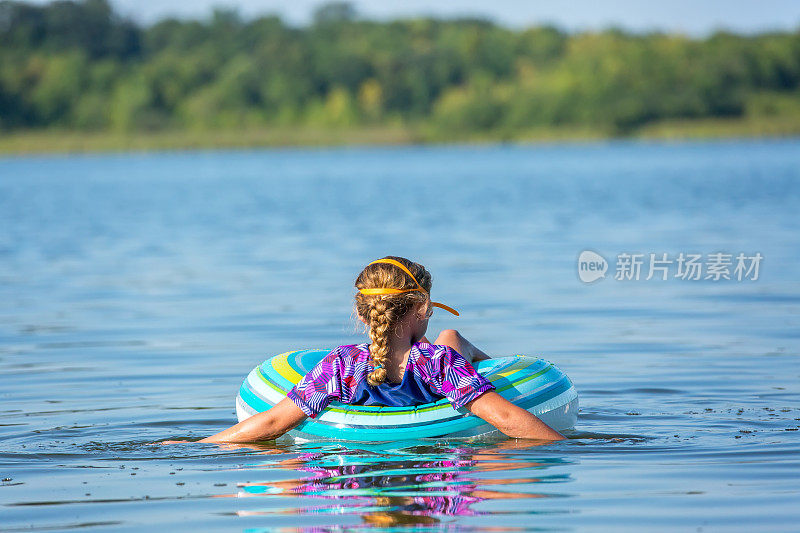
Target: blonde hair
x,y
383,312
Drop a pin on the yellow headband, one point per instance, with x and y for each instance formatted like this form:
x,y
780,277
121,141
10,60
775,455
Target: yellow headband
x,y
398,291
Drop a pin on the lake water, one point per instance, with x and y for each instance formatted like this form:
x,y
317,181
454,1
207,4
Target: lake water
x,y
137,291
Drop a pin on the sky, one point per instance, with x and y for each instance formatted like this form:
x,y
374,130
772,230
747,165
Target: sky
x,y
691,17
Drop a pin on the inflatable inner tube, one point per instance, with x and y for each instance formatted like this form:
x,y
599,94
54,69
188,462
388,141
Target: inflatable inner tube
x,y
531,383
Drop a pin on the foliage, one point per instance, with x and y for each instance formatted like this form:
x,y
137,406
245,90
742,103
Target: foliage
x,y
78,65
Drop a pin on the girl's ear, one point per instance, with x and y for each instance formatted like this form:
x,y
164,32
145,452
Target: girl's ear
x,y
420,310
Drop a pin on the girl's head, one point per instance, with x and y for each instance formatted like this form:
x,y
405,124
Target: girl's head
x,y
388,290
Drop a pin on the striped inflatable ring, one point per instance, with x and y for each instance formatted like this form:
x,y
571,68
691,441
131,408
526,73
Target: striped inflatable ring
x,y
534,384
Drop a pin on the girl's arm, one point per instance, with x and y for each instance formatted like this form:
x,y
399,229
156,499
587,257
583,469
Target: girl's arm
x,y
454,339
512,420
268,425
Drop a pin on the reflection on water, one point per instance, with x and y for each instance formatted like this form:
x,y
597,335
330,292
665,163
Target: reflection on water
x,y
421,486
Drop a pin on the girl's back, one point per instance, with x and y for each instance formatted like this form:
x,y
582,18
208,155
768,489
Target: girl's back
x,y
431,372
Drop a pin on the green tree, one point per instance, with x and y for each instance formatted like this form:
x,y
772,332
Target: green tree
x,y
78,64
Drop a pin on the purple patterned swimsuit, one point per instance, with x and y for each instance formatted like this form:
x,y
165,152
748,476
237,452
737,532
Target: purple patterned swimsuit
x,y
443,370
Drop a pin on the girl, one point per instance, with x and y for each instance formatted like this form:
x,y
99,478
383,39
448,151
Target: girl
x,y
399,367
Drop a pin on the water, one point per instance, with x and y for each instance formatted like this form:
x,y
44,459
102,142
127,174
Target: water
x,y
137,290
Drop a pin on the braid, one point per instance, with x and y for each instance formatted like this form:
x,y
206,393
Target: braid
x,y
383,312
380,322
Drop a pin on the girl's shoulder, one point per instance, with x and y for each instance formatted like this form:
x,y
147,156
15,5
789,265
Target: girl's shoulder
x,y
433,352
350,352
347,348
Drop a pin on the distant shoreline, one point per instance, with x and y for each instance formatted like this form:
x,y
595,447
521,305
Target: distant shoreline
x,y
62,141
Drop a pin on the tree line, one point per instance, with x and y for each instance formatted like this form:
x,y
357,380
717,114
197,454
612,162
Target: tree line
x,y
78,65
